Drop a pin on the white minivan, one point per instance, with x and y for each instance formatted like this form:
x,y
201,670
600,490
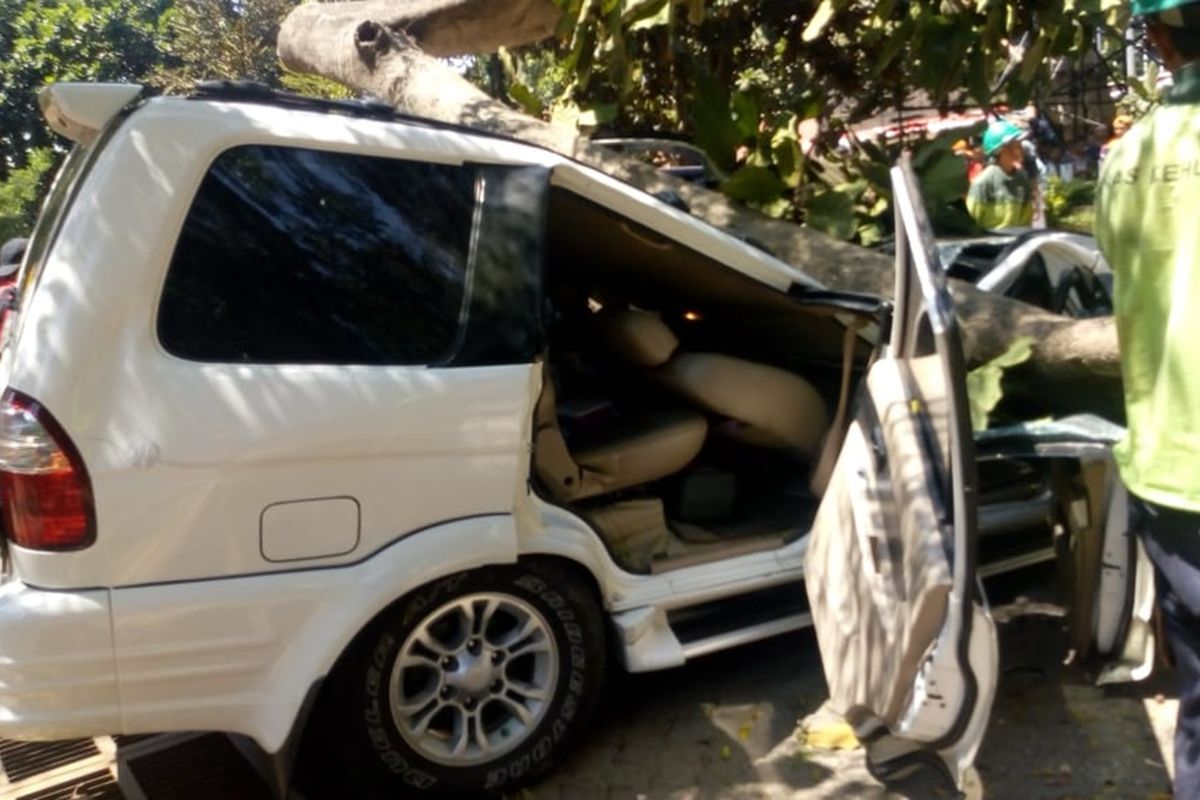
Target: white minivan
x,y
318,413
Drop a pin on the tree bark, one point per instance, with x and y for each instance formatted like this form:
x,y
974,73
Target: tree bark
x,y
442,27
390,49
369,46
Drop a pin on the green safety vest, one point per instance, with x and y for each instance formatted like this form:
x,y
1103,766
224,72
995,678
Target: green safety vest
x,y
998,199
1148,226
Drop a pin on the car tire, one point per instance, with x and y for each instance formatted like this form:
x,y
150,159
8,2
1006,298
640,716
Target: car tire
x,y
473,685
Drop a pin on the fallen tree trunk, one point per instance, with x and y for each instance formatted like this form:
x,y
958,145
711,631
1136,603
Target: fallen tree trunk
x,y
388,49
374,51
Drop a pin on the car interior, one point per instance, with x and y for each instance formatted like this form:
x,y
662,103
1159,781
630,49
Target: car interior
x,y
685,407
1048,280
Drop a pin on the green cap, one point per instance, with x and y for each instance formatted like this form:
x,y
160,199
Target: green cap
x,y
1141,8
1000,133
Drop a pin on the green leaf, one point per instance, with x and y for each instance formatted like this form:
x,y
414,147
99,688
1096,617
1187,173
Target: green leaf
x,y
789,161
893,47
870,234
978,82
525,98
21,193
641,15
831,212
782,208
315,85
597,115
754,184
716,132
984,389
944,180
745,115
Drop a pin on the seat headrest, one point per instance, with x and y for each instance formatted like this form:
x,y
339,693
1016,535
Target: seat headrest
x,y
639,337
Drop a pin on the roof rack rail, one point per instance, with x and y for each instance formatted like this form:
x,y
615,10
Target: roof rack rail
x,y
256,92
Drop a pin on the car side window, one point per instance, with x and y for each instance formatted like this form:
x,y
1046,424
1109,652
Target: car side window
x,y
291,255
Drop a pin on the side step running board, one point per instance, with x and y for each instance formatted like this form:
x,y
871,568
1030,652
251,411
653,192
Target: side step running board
x,y
764,630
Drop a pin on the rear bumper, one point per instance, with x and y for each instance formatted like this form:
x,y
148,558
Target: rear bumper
x,y
57,672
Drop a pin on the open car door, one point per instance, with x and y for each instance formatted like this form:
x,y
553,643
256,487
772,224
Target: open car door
x,y
909,652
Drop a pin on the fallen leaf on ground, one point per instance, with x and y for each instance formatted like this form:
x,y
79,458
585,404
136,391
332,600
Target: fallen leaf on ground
x,y
830,736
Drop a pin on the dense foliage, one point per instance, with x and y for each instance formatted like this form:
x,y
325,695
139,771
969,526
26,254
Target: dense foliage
x,y
170,44
205,39
47,40
769,89
19,195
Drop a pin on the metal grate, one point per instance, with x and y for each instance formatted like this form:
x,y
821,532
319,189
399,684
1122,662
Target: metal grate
x,y
23,759
207,766
94,786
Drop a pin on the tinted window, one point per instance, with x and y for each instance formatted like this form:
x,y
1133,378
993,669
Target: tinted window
x,y
301,256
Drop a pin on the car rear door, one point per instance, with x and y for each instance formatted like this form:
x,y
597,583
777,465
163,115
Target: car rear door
x,y
909,651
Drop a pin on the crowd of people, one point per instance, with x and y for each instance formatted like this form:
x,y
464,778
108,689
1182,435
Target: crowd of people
x,y
1010,165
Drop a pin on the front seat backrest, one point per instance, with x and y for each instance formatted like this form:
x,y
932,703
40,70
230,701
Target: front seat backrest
x,y
768,406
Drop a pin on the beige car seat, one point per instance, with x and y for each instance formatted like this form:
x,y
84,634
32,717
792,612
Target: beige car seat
x,y
637,449
765,405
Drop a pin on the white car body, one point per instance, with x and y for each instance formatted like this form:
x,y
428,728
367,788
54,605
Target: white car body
x,y
1061,251
253,518
180,633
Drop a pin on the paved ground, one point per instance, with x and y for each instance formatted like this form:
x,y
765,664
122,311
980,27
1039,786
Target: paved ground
x,y
724,728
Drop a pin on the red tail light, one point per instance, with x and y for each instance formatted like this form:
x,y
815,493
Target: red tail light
x,y
45,493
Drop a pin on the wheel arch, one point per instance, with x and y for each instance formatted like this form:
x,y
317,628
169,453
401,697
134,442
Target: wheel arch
x,y
332,627
308,713
553,574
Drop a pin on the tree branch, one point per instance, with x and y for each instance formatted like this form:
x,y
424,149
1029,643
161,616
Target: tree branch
x,y
376,48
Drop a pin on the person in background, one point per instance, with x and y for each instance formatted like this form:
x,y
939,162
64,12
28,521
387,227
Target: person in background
x,y
1039,176
1095,146
1077,154
1001,196
1120,125
1044,132
1059,164
1146,224
971,156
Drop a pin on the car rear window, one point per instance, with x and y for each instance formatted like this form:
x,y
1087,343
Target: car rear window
x,y
292,255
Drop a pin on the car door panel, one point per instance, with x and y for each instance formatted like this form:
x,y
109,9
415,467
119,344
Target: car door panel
x,y
884,503
910,657
1111,579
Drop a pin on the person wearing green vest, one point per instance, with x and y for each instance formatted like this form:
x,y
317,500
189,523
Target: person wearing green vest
x,y
1002,195
1148,226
